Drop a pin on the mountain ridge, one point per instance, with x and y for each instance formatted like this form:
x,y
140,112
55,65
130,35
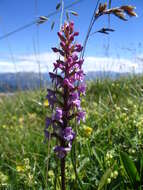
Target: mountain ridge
x,y
10,82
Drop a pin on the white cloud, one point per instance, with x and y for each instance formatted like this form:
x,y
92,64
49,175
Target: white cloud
x,y
111,64
31,63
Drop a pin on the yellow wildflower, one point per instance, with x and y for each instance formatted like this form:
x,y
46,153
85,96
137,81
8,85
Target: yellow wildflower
x,y
88,131
20,168
46,103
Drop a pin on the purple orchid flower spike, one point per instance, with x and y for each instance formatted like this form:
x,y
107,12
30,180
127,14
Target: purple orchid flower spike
x,y
68,78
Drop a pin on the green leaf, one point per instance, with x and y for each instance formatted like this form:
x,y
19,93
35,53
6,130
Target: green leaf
x,y
130,168
104,178
141,165
73,159
83,163
96,153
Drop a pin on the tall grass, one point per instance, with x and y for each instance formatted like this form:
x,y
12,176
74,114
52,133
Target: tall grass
x,y
113,124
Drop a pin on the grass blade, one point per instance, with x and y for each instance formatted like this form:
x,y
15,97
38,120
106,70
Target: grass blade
x,y
130,168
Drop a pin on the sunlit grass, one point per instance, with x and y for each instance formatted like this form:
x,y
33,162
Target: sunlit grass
x,y
113,123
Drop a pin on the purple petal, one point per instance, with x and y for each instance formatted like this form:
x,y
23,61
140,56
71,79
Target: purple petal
x,y
74,96
71,26
68,134
80,116
76,103
47,135
48,122
62,38
78,48
76,33
60,151
82,88
58,114
51,97
68,83
79,75
56,50
75,57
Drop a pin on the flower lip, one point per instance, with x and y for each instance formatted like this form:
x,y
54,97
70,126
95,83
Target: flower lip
x,y
48,122
78,48
60,151
68,83
51,96
80,116
68,134
82,88
58,114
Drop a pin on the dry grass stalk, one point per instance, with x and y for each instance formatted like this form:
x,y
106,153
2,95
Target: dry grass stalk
x,y
120,12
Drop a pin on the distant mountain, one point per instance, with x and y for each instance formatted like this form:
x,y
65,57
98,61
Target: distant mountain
x,y
10,82
93,75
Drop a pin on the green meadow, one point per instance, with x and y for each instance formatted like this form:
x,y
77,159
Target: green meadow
x,y
107,153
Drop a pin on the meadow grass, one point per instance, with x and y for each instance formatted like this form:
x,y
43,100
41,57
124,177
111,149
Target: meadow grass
x,y
113,125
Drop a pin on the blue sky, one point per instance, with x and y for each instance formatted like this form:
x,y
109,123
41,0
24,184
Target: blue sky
x,y
125,43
